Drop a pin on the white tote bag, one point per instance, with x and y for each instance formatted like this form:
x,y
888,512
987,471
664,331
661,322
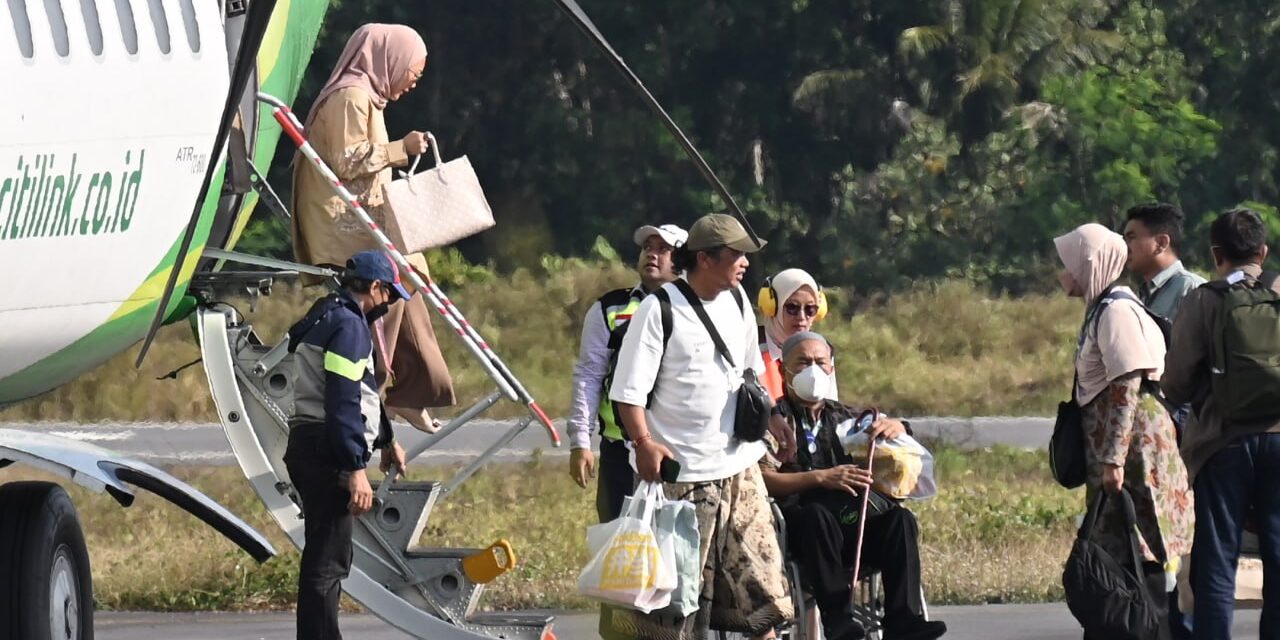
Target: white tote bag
x,y
631,565
437,207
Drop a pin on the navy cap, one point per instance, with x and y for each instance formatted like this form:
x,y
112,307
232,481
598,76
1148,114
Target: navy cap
x,y
374,264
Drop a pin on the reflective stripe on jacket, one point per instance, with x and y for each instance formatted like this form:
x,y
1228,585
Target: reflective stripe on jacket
x,y
333,380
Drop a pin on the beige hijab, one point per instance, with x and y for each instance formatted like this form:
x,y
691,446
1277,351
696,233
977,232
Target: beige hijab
x,y
785,284
376,57
1124,339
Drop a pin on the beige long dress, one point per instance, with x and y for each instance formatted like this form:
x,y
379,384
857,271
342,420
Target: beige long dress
x,y
350,135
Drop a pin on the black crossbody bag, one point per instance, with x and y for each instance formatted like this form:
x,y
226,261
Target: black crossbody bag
x,y
751,420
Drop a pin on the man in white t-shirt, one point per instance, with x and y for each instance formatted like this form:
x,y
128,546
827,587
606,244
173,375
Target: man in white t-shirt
x,y
690,391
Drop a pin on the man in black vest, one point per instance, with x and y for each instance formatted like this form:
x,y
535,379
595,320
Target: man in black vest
x,y
818,492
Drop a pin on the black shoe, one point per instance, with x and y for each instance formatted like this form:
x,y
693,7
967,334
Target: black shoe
x,y
918,630
842,628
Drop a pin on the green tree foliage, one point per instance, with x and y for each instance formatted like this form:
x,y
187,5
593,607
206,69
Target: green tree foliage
x,y
873,143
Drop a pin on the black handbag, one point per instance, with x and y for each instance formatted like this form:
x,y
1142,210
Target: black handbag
x,y
751,419
1109,599
1066,445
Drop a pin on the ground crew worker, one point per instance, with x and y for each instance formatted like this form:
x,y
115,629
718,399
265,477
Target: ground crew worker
x,y
337,422
602,331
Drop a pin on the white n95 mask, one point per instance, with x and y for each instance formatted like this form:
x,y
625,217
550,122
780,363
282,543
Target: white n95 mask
x,y
812,384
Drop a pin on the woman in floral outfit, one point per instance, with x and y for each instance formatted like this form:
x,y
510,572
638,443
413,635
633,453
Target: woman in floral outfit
x,y
1129,436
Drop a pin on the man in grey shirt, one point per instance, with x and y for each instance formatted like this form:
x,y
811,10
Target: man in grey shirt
x,y
1154,235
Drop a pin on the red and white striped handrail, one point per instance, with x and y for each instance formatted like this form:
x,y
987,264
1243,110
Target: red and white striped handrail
x,y
507,382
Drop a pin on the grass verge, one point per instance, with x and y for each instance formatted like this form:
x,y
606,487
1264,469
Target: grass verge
x,y
941,349
997,532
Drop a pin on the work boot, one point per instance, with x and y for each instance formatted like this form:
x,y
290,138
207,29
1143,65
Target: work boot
x,y
418,418
842,627
917,630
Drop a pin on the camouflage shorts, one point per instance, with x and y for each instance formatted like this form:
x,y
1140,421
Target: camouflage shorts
x,y
743,584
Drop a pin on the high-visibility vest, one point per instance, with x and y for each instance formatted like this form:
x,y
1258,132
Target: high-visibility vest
x,y
617,306
772,379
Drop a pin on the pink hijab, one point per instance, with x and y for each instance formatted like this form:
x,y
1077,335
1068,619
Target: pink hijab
x,y
1125,339
376,57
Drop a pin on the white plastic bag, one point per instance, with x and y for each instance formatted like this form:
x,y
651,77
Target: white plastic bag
x,y
631,565
902,468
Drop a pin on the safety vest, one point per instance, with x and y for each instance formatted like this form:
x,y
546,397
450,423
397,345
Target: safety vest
x,y
772,379
617,306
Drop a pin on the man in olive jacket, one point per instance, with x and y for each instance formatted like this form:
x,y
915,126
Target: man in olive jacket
x,y
1234,464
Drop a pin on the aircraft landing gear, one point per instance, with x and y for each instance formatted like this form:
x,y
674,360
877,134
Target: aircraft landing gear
x,y
41,544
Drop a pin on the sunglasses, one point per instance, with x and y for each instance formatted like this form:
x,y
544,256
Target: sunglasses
x,y
795,309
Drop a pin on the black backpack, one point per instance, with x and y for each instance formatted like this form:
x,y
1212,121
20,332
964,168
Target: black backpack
x,y
1109,599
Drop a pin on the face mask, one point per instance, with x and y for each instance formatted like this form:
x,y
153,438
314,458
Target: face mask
x,y
812,384
377,312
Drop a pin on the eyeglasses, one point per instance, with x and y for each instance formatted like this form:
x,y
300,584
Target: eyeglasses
x,y
795,308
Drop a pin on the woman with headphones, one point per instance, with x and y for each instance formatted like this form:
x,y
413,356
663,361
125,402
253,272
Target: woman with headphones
x,y
791,302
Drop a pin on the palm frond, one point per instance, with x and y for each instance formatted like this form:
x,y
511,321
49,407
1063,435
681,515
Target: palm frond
x,y
829,83
994,72
920,41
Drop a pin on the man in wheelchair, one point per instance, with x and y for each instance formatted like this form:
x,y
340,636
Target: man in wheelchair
x,y
818,489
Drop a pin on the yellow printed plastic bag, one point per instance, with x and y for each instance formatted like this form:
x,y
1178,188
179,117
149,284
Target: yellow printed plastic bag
x,y
631,565
902,468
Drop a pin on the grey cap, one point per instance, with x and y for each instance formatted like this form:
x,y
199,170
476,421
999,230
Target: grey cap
x,y
804,336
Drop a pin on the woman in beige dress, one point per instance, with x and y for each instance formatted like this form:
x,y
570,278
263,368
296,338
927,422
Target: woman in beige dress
x,y
380,63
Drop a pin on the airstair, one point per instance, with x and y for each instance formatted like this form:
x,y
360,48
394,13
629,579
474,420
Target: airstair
x,y
427,592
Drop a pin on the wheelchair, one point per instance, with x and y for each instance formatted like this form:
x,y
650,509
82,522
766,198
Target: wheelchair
x,y
868,605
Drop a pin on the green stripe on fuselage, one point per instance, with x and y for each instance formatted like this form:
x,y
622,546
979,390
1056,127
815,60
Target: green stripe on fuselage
x,y
118,333
281,69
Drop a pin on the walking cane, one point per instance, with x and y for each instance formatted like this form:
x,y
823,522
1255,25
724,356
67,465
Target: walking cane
x,y
874,416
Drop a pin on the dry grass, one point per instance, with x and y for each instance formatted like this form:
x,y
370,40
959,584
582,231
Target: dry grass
x,y
941,349
998,532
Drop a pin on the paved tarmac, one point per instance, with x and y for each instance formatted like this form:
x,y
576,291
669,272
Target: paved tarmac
x,y
994,622
205,444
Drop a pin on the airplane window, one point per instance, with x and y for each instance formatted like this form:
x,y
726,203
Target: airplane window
x,y
89,11
22,27
193,27
128,30
58,27
161,23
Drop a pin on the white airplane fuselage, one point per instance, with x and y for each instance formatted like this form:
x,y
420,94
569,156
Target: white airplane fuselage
x,y
107,125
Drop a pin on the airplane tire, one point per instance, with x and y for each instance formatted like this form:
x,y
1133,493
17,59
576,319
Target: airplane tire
x,y
46,588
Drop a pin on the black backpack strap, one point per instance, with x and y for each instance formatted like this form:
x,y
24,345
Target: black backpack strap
x,y
696,303
664,310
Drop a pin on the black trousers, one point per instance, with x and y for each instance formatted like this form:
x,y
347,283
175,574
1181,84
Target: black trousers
x,y
326,555
822,535
615,479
